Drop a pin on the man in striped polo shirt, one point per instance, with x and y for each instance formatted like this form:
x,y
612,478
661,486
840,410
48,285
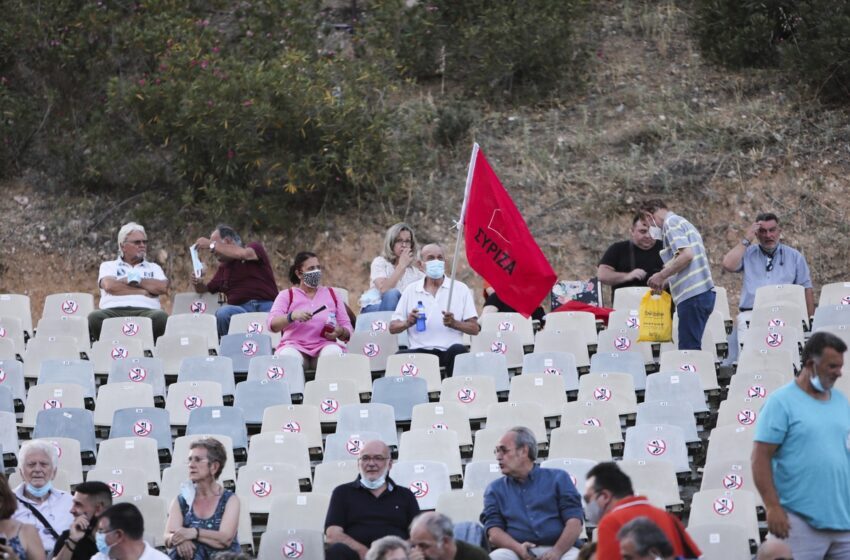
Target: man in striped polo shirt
x,y
685,269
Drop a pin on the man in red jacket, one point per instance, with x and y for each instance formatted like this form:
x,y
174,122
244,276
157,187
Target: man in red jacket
x,y
611,503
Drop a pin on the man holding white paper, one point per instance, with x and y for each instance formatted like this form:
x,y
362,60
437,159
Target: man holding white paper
x,y
130,286
244,275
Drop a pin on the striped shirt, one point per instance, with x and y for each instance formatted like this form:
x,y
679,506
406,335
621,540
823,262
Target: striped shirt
x,y
695,278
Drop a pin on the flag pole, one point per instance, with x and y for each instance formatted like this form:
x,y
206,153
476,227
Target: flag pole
x,y
469,173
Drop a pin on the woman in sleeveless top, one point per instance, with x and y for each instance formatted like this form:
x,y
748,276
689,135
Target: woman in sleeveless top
x,y
204,518
22,540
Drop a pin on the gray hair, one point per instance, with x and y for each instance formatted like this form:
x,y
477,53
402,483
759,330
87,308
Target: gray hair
x,y
523,437
389,240
125,232
647,536
227,232
419,252
438,525
384,545
39,445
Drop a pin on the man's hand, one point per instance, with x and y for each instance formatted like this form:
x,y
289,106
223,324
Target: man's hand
x,y
412,317
777,522
78,527
637,274
527,554
750,233
656,281
449,319
202,243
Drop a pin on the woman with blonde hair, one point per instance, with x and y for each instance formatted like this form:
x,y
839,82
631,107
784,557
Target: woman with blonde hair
x,y
392,271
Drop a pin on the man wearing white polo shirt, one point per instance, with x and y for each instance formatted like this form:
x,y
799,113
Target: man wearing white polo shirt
x,y
444,330
130,286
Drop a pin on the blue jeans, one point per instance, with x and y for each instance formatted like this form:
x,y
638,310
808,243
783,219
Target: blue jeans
x,y
693,316
225,312
389,301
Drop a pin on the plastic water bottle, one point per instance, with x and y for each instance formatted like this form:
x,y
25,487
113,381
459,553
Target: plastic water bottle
x,y
420,317
330,324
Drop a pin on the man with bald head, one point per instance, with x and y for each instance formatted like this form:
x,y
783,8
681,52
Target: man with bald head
x,y
444,329
432,538
369,508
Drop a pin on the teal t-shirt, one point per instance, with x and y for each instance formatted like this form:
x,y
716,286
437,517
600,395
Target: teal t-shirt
x,y
811,467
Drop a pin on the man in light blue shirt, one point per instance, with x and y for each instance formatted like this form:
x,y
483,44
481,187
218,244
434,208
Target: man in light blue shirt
x,y
531,512
768,263
801,455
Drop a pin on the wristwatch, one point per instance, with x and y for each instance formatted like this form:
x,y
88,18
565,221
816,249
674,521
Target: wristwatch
x,y
212,247
746,242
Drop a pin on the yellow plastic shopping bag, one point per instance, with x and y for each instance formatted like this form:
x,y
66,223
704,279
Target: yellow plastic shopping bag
x,y
656,320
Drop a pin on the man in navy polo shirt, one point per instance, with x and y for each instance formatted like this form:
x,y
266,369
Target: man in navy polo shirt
x,y
531,512
369,508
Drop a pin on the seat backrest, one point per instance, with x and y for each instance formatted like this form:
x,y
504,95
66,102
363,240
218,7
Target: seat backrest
x,y
475,393
289,448
777,294
253,397
616,387
443,416
729,442
12,332
171,349
143,422
545,390
508,344
828,315
297,419
766,360
672,387
478,474
461,505
200,324
654,479
719,506
303,544
490,364
105,352
77,327
755,385
739,411
48,348
209,368
154,511
600,413
78,372
330,474
257,485
835,293
401,394
130,452
51,396
72,423
224,420
8,430
621,362
506,415
700,362
12,376
346,446
436,445
784,315
674,413
514,322
185,397
278,368
192,302
657,442
720,542
369,417
73,304
425,366
426,479
129,328
563,340
624,340
576,468
378,346
253,323
112,396
562,364
629,297
581,321
346,366
299,511
374,321
244,347
730,474
17,305
586,442
122,481
139,370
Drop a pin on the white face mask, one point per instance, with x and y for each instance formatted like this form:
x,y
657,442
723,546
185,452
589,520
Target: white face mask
x,y
655,232
593,513
374,484
815,380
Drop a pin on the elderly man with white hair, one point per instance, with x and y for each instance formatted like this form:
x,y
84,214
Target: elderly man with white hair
x,y
130,286
39,504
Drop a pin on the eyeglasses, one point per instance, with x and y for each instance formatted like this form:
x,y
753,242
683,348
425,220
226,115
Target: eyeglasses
x,y
138,242
106,532
196,460
372,459
502,450
769,265
407,242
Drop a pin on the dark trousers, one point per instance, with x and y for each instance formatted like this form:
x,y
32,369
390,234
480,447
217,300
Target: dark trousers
x,y
447,356
340,551
693,316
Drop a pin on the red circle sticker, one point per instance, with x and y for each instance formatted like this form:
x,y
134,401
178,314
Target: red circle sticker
x,y
293,549
690,368
275,373
354,445
198,307
574,480
845,300
192,402
371,349
254,327
733,481
119,353
379,326
130,328
2,375
250,347
58,449
746,417
466,395
419,488
551,371
723,506
656,447
117,488
506,326
261,488
52,403
774,339
137,374
142,428
632,323
292,427
757,392
602,394
329,406
498,347
622,343
440,426
409,370
592,421
69,307
777,322
2,332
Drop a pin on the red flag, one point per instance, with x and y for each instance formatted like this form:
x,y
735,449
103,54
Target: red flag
x,y
499,246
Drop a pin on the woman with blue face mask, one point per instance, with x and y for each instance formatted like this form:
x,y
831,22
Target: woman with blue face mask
x,y
39,503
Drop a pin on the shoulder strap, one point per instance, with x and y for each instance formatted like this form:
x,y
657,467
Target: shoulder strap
x,y
40,517
333,297
289,305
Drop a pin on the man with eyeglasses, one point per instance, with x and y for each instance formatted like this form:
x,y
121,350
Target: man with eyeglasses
x,y
432,538
130,286
120,535
766,263
531,512
369,508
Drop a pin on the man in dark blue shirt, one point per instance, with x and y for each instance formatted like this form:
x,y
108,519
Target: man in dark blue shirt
x,y
369,508
531,512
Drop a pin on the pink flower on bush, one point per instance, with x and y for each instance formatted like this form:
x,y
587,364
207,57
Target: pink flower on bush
x,y
204,64
231,153
248,103
216,50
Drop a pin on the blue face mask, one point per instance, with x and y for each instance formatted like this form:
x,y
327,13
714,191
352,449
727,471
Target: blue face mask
x,y
39,492
435,269
815,379
100,541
